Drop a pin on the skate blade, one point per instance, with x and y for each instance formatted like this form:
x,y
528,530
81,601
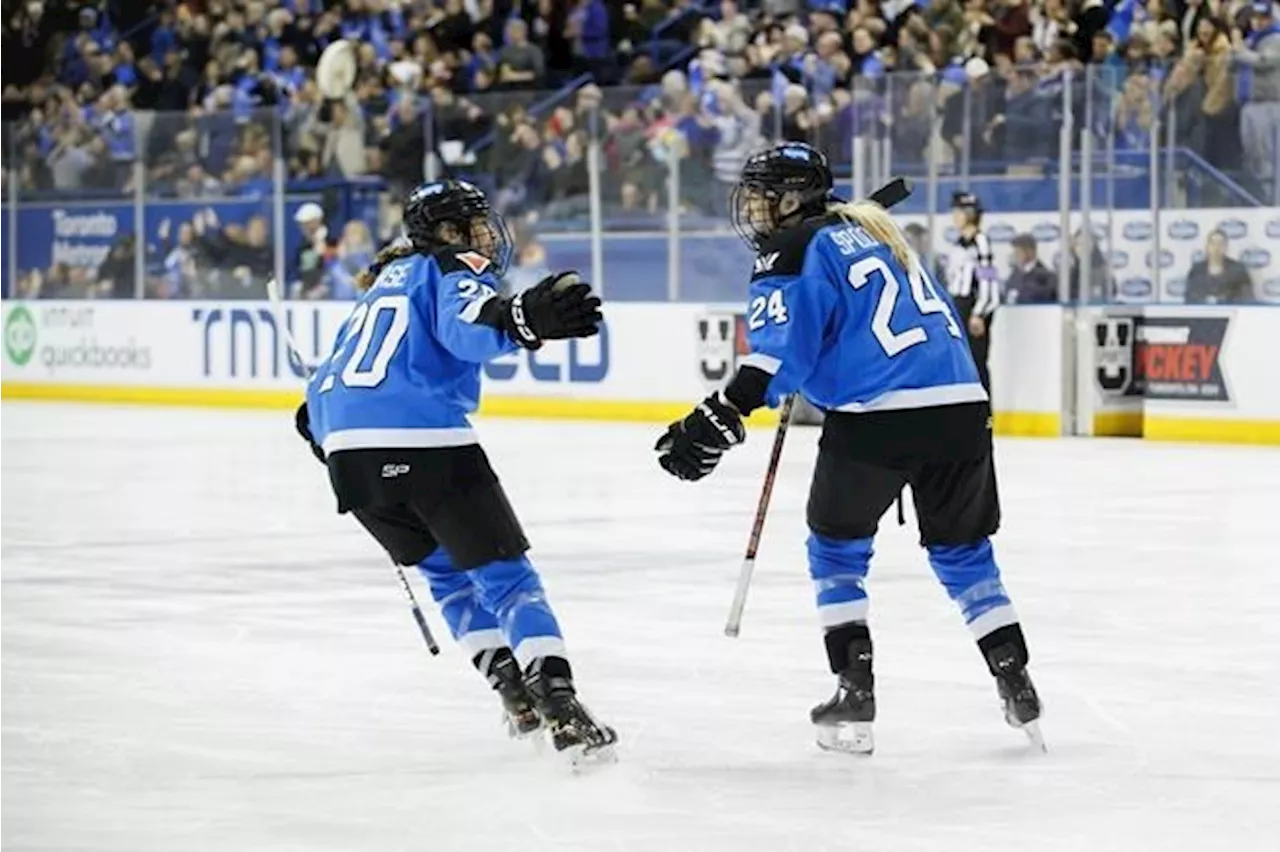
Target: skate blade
x,y
583,759
846,737
1032,730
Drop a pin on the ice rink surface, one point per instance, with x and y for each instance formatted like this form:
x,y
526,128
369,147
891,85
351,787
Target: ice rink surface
x,y
199,654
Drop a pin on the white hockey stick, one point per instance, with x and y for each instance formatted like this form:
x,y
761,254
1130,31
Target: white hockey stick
x,y
277,307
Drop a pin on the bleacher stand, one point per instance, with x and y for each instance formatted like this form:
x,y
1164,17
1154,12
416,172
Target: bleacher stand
x,y
200,99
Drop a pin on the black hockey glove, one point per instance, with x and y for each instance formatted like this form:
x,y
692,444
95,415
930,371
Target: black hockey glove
x,y
691,448
302,422
556,308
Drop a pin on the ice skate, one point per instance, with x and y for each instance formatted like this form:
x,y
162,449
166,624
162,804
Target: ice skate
x,y
1017,692
844,722
519,709
573,731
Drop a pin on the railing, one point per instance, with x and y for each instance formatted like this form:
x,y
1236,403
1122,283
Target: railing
x,y
632,184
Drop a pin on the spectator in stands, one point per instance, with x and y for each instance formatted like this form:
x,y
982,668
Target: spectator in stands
x,y
1030,282
353,255
521,65
118,271
1218,279
1210,57
71,159
1135,114
587,29
312,253
737,136
1083,245
238,258
1258,58
180,277
404,149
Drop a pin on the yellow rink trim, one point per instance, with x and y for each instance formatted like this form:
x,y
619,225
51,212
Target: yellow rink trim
x,y
128,394
1021,423
1028,424
1160,428
1124,424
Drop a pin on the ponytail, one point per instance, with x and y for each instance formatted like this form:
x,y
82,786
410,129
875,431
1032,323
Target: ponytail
x,y
878,224
395,251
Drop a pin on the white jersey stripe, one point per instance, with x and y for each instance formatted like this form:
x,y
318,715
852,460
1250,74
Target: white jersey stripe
x,y
398,439
920,398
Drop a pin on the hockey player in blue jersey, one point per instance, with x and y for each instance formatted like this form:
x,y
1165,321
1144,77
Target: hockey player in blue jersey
x,y
842,311
387,413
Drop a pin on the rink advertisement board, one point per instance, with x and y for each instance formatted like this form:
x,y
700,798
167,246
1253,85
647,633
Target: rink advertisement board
x,y
1187,373
640,366
1162,358
1195,373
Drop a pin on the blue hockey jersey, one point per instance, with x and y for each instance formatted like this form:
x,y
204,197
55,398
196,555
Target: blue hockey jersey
x,y
405,369
832,313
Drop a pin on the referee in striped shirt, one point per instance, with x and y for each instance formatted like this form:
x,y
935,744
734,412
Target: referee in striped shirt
x,y
972,280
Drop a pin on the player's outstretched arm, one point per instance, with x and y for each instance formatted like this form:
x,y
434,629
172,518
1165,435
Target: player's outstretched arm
x,y
476,324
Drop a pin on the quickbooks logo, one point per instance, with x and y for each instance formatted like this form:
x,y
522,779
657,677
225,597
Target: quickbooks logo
x,y
20,336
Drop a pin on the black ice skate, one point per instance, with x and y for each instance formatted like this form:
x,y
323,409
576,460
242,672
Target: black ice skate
x,y
844,722
574,732
1008,664
519,708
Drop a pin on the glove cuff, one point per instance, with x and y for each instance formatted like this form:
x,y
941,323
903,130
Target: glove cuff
x,y
520,331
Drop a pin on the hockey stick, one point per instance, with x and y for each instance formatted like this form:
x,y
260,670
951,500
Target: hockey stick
x,y
757,526
277,308
892,193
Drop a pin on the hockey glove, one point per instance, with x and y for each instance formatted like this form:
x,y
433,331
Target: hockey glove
x,y
691,448
557,307
302,422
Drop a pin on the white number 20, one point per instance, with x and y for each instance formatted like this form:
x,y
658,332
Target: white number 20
x,y
364,323
764,309
922,292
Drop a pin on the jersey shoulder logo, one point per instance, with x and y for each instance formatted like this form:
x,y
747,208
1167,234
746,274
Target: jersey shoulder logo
x,y
766,262
474,261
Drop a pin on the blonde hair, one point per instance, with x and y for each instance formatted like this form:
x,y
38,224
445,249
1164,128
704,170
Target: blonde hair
x,y
390,254
877,222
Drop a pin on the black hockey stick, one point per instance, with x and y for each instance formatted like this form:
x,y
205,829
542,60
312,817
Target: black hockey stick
x,y
892,193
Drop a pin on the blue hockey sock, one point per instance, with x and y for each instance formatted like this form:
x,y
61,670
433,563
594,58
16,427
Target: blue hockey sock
x,y
972,580
511,590
474,627
839,570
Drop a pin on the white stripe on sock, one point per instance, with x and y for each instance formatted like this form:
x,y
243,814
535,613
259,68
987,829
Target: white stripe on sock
x,y
992,620
533,647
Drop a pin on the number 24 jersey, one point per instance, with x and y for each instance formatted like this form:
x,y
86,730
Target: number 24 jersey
x,y
832,313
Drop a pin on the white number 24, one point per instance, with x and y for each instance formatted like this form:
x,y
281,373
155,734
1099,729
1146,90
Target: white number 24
x,y
773,306
922,291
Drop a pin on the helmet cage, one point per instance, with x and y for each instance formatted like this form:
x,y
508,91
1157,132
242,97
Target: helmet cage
x,y
789,171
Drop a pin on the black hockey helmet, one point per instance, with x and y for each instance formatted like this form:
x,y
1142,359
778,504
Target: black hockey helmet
x,y
465,207
778,187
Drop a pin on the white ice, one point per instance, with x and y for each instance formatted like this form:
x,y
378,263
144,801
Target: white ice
x,y
199,654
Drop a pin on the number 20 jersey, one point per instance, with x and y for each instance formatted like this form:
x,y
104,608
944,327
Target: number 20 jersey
x,y
405,369
832,313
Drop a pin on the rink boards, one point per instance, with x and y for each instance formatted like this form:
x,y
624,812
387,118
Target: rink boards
x,y
1184,373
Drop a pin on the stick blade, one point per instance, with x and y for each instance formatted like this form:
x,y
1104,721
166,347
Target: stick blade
x,y
893,193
